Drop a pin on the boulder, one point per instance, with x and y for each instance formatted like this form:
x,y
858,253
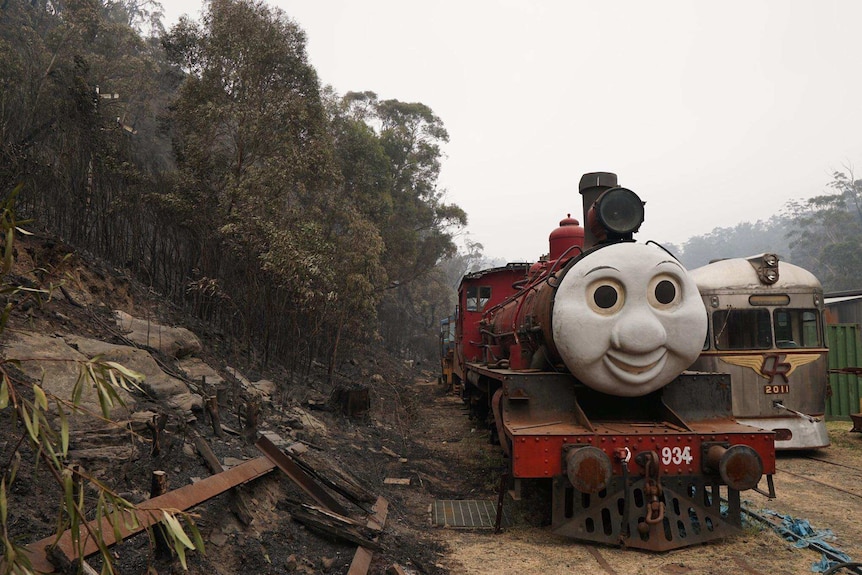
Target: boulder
x,y
157,384
175,342
56,366
196,369
263,389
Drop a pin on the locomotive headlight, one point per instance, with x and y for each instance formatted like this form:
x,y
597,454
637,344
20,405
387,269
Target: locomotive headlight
x,y
616,214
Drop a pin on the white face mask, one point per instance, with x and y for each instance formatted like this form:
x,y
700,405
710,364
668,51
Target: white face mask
x,y
628,319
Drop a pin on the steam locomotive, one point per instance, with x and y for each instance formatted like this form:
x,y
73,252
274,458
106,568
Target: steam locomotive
x,y
578,364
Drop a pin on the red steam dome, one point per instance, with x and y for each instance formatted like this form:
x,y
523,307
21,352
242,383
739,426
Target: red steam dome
x,y
570,233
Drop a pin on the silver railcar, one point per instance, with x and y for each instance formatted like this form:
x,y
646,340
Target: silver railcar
x,y
766,330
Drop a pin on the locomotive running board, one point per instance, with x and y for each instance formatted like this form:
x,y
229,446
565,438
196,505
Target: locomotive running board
x,y
693,514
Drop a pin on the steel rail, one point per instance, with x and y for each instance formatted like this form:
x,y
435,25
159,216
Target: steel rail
x,y
831,463
823,483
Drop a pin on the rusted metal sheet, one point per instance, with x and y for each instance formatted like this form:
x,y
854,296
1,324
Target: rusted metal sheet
x,y
299,475
466,514
148,512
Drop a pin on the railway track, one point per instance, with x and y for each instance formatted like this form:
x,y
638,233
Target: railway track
x,y
835,463
857,494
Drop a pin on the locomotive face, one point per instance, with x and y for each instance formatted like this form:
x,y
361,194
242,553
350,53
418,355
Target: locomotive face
x,y
628,319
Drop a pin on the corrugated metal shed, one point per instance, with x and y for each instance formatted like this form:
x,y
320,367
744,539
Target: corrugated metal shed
x,y
844,351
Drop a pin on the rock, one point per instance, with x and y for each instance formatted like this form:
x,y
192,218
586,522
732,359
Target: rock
x,y
196,369
275,438
172,341
291,563
265,386
156,383
218,538
238,376
327,563
262,389
187,401
56,365
306,420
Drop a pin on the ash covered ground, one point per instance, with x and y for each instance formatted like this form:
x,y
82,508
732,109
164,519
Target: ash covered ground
x,y
413,430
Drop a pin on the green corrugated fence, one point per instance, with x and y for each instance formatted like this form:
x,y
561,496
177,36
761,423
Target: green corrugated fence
x,y
844,351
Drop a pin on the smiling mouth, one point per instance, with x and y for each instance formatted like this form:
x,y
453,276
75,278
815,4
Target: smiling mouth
x,y
637,369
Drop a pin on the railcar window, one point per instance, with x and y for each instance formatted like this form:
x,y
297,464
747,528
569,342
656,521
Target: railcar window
x,y
742,329
478,297
797,328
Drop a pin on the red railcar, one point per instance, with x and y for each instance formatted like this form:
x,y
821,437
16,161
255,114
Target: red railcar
x,y
579,363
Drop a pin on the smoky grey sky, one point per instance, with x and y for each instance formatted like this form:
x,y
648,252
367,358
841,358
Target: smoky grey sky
x,y
713,112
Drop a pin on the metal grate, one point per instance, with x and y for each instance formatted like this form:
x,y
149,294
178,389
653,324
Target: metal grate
x,y
470,514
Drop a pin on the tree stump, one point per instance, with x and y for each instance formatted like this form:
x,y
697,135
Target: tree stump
x,y
212,410
159,486
352,401
252,414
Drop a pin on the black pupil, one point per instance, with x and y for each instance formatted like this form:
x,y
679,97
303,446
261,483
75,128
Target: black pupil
x,y
665,292
605,297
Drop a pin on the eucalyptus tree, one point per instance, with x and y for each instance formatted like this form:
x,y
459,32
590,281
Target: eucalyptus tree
x,y
743,239
260,188
402,146
77,84
826,233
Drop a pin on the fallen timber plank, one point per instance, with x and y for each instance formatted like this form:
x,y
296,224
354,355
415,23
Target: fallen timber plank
x,y
362,559
147,513
313,519
298,475
238,500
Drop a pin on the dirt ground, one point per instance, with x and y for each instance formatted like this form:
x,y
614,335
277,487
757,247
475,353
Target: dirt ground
x,y
805,490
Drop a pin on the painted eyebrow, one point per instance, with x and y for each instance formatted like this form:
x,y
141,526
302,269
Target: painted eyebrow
x,y
676,263
601,268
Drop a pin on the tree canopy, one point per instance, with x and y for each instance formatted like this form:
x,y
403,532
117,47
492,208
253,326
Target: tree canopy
x,y
209,160
822,234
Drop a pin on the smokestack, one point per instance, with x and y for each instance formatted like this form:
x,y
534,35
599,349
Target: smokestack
x,y
591,187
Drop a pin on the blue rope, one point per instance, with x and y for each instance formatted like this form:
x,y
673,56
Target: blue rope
x,y
804,535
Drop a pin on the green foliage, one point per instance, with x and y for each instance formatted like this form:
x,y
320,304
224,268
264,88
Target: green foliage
x,y
221,172
826,234
742,240
822,234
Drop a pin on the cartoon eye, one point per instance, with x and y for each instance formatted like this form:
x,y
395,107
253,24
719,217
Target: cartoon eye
x,y
605,297
664,292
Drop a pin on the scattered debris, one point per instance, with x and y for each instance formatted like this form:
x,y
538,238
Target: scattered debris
x,y
397,481
147,513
